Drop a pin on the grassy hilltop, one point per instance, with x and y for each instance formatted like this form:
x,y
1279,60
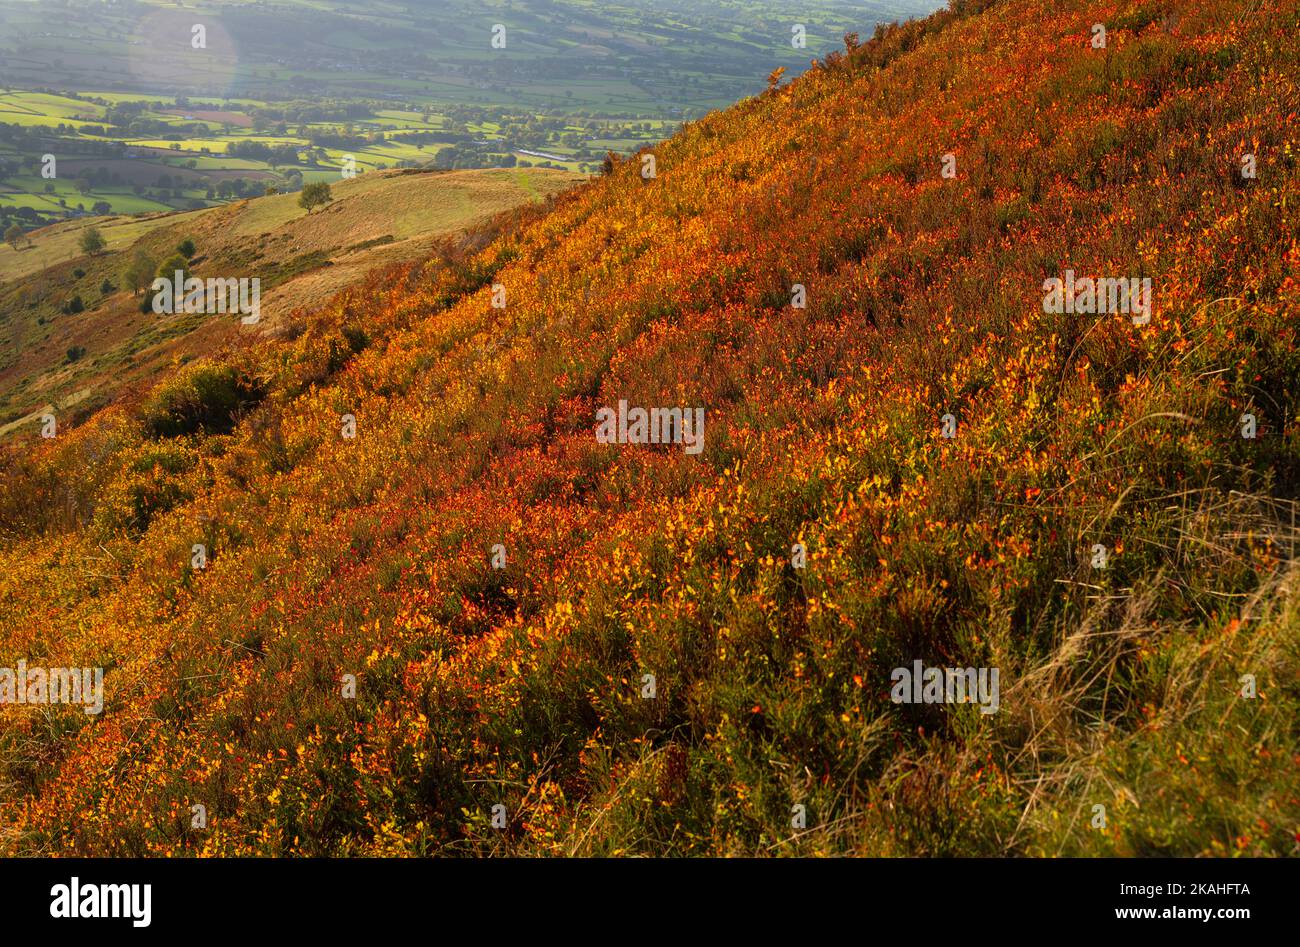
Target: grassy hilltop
x,y
522,687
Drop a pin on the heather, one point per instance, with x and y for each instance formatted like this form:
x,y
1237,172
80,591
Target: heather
x,y
522,686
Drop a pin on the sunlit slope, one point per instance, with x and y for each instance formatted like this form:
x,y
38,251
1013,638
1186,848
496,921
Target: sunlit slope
x,y
649,671
301,259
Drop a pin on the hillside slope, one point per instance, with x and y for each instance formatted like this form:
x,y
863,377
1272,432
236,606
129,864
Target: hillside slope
x,y
654,669
301,258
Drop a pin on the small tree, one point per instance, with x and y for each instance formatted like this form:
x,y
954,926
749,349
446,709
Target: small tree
x,y
314,194
186,248
92,241
168,267
13,235
139,272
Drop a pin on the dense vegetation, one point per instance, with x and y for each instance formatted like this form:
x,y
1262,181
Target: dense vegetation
x,y
522,686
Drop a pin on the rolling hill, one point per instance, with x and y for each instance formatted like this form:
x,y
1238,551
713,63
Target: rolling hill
x,y
437,612
302,260
619,58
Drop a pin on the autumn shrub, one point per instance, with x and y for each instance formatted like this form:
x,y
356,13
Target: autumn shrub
x,y
203,397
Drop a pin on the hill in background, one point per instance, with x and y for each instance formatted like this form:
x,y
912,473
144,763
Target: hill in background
x,y
150,106
301,259
658,57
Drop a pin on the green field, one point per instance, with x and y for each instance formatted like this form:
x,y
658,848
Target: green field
x,y
193,159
